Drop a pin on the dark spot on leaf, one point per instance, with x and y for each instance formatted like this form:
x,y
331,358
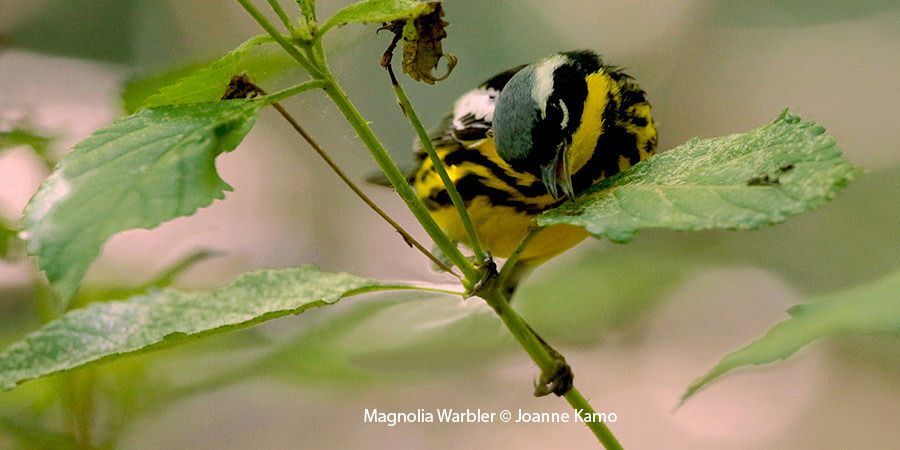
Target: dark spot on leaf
x,y
763,180
786,168
240,86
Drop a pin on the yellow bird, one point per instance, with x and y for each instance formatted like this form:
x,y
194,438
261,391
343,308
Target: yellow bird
x,y
527,140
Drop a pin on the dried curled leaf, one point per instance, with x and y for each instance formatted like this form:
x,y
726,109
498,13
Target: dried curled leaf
x,y
422,49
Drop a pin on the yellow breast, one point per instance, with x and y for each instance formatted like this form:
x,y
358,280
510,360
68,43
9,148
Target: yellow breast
x,y
500,228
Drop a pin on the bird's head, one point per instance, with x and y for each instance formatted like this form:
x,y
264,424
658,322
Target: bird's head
x,y
538,112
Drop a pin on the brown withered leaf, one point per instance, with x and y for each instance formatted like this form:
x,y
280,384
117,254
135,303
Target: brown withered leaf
x,y
422,49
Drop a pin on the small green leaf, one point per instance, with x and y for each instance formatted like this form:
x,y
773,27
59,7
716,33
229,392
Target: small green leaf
x,y
369,11
138,172
104,331
741,181
870,308
207,83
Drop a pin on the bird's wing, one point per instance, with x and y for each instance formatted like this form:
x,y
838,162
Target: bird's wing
x,y
472,115
470,121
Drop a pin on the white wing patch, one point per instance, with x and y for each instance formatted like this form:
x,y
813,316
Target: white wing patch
x,y
543,81
477,104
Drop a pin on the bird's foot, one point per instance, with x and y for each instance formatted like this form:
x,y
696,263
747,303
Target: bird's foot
x,y
558,380
489,276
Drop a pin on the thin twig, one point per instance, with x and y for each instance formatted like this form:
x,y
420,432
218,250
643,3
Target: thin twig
x,y
359,193
455,198
279,11
510,265
281,40
398,180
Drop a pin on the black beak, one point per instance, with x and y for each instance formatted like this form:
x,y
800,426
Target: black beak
x,y
556,176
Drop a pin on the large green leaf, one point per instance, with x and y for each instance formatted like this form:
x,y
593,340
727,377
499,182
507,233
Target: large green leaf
x,y
138,172
106,330
369,11
870,308
741,181
207,83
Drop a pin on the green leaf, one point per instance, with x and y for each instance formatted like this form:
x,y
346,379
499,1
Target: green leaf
x,y
138,172
866,309
103,331
140,87
741,181
368,11
207,83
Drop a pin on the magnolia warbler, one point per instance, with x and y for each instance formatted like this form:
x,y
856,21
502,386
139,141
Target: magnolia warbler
x,y
529,139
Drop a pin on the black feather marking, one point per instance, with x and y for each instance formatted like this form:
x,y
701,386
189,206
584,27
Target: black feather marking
x,y
463,155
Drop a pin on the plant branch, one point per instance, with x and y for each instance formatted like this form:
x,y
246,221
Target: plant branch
x,y
382,157
398,180
279,11
281,40
537,350
510,265
425,140
308,9
292,91
359,193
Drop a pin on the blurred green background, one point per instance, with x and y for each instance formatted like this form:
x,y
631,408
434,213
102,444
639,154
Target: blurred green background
x,y
638,322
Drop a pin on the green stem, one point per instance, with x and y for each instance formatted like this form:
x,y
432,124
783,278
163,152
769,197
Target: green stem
x,y
279,11
397,179
410,112
79,406
538,353
292,91
308,9
281,40
510,265
381,155
359,192
432,289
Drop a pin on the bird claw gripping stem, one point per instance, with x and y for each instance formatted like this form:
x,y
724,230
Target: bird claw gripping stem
x,y
558,380
489,276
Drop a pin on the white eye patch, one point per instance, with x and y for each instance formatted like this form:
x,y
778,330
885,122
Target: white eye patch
x,y
543,81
